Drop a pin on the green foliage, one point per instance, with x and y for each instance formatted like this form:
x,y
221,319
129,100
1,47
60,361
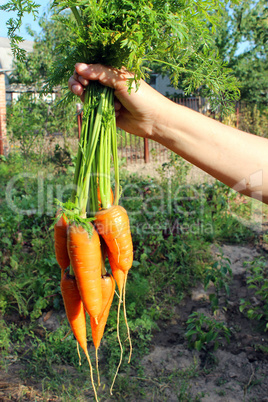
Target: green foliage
x,y
176,167
251,119
255,307
204,332
219,274
5,332
174,38
245,24
29,273
25,123
34,68
31,120
223,207
139,34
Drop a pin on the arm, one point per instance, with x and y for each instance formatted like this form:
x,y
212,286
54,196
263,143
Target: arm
x,y
237,159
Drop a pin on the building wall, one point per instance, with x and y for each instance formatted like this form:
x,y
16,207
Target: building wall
x,y
3,132
6,60
163,85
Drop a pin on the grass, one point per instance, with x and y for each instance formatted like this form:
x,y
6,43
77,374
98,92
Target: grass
x,y
173,228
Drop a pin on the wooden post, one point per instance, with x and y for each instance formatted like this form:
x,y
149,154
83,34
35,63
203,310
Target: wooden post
x,y
146,151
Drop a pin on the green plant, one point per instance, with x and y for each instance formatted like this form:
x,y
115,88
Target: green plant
x,y
256,305
25,123
5,331
32,122
220,274
204,332
250,119
176,169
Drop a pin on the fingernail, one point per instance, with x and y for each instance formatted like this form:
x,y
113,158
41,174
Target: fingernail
x,y
76,89
81,66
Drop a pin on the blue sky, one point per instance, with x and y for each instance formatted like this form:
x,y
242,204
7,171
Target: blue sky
x,y
27,20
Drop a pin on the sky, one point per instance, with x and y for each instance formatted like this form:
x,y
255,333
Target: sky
x,y
27,19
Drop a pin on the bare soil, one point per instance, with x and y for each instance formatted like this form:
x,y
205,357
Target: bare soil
x,y
236,372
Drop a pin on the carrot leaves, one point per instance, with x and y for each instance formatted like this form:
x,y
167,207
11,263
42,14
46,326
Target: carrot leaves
x,y
172,37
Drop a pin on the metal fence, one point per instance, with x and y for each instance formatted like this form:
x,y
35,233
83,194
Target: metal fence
x,y
137,150
133,149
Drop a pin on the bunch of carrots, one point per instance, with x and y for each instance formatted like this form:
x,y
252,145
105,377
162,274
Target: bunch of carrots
x,y
91,226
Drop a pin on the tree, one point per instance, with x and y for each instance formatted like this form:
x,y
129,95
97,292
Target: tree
x,y
242,41
34,68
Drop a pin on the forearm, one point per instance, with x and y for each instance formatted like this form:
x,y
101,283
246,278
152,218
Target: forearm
x,y
237,159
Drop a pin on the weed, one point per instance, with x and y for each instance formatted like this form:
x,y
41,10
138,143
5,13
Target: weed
x,y
219,274
256,306
202,332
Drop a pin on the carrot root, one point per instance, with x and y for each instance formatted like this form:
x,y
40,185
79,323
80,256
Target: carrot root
x,y
79,356
91,376
97,367
120,344
125,316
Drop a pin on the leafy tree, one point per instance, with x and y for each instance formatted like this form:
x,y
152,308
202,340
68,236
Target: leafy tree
x,y
242,41
33,68
31,119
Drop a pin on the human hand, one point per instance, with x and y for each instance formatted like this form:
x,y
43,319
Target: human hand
x,y
137,112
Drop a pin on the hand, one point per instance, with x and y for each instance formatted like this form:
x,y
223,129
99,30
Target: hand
x,y
136,113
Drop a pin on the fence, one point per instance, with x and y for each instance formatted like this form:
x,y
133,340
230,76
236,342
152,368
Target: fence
x,y
133,149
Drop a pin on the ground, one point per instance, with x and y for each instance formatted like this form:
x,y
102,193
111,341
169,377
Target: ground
x,y
236,372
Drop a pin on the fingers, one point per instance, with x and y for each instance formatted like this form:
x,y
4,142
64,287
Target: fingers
x,y
117,107
108,76
83,81
75,86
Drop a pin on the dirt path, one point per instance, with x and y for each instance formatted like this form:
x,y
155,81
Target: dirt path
x,y
235,372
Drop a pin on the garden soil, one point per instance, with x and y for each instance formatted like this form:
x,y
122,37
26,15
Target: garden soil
x,y
235,372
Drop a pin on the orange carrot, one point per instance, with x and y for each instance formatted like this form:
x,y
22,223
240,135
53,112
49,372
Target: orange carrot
x,y
118,274
108,288
85,256
76,315
113,225
60,242
74,308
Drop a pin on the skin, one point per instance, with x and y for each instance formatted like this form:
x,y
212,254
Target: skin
x,y
236,158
